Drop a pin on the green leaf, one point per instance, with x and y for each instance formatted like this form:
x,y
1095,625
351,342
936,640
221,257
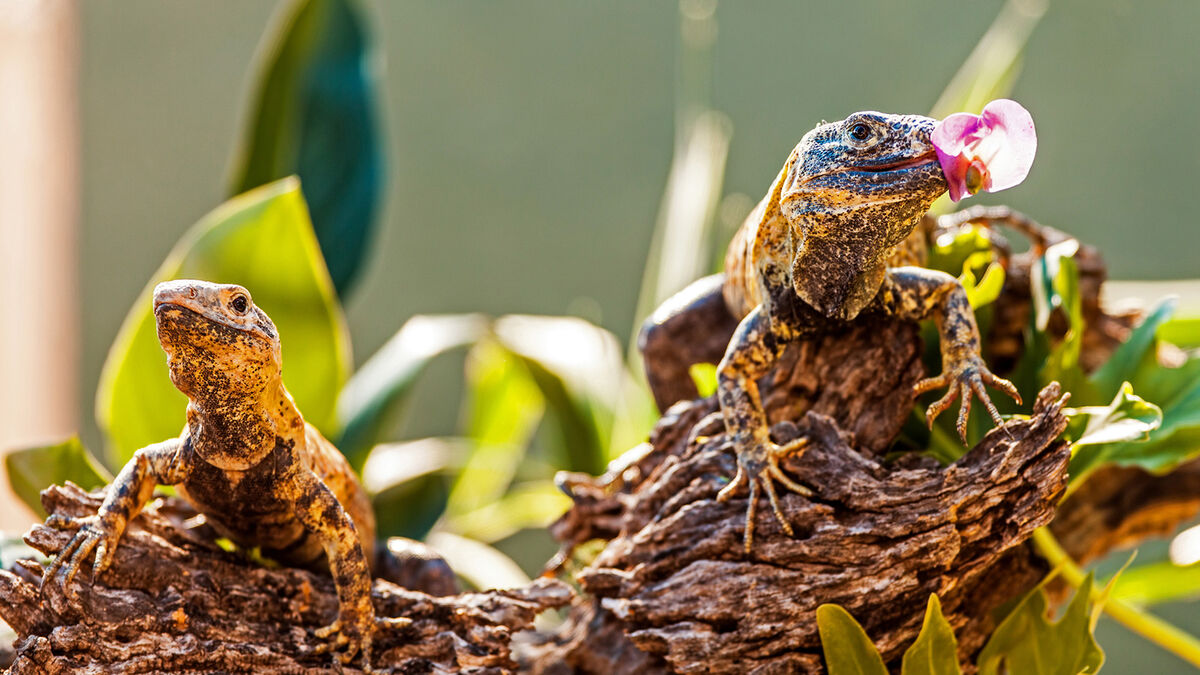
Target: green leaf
x,y
34,469
378,390
262,240
985,291
578,368
1127,418
1055,284
506,408
935,651
1158,582
848,650
1027,642
313,115
1124,362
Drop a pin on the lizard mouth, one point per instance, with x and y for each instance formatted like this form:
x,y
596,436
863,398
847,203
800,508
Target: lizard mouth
x,y
899,165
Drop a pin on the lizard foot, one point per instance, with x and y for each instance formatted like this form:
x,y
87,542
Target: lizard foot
x,y
345,643
92,533
965,378
759,465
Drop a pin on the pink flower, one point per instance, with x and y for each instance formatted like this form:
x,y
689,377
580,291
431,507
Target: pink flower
x,y
991,151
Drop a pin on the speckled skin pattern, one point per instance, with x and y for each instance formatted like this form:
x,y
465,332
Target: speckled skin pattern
x,y
826,245
247,460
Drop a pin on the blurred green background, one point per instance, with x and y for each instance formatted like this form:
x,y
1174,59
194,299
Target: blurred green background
x,y
528,142
528,145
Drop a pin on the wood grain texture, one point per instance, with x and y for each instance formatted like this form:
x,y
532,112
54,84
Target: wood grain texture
x,y
173,602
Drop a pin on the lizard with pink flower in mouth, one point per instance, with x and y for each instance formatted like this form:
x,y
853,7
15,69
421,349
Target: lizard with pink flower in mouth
x,y
827,245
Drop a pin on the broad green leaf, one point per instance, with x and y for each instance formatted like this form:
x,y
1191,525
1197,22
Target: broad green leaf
x,y
578,368
313,115
1127,418
848,650
1177,439
506,408
1158,582
1124,363
262,240
34,469
1028,642
477,563
935,651
524,506
378,390
705,377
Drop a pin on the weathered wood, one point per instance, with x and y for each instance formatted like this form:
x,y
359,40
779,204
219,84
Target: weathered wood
x,y
876,539
174,602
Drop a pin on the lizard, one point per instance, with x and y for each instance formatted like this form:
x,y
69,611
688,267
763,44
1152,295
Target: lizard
x,y
835,239
246,459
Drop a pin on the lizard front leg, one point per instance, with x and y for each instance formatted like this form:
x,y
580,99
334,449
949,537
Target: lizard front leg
x,y
153,465
752,352
320,512
916,293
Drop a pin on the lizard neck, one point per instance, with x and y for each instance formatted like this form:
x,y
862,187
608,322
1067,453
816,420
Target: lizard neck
x,y
840,262
237,431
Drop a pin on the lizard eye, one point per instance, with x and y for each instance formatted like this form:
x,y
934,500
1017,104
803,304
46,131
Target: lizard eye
x,y
240,303
860,132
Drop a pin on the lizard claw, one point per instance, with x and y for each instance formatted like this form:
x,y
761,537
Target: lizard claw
x,y
964,380
759,465
92,534
347,639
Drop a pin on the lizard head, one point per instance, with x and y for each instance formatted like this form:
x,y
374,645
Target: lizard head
x,y
852,190
220,347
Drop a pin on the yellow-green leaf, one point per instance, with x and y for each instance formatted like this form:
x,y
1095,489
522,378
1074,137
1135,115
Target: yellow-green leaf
x,y
848,650
262,240
1029,643
34,469
935,651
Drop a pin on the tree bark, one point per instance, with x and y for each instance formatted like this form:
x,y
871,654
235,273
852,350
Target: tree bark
x,y
175,602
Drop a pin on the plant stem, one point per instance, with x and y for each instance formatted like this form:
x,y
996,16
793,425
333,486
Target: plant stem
x,y
1178,642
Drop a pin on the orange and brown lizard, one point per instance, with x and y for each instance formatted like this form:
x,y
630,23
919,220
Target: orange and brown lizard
x,y
246,459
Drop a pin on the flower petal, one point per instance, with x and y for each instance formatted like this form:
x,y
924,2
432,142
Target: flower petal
x,y
1000,143
1012,165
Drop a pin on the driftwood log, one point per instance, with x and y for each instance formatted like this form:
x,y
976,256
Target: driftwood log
x,y
176,602
672,590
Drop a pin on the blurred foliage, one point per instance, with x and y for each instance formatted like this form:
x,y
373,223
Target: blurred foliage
x,y
313,116
1026,641
33,469
554,393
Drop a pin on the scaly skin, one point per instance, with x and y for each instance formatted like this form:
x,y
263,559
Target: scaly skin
x,y
247,460
820,250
